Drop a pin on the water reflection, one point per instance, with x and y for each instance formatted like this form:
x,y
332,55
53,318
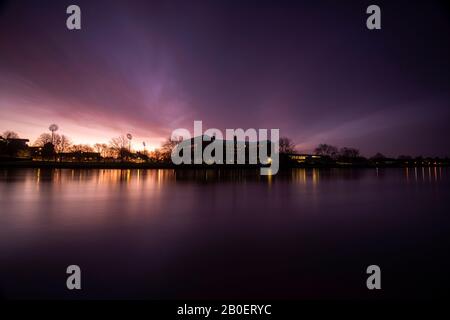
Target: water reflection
x,y
430,174
259,236
157,177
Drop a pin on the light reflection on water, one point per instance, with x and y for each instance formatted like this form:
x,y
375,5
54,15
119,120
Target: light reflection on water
x,y
159,176
253,236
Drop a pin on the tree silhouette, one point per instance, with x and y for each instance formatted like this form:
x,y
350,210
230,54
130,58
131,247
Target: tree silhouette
x,y
120,147
348,153
378,156
326,150
10,135
81,148
43,139
164,153
102,149
156,155
286,145
62,143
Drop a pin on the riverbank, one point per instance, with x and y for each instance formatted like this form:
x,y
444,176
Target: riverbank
x,y
150,165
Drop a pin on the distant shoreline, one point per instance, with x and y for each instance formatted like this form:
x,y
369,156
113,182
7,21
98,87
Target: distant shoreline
x,y
131,165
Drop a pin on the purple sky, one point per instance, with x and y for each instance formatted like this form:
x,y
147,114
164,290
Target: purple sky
x,y
309,68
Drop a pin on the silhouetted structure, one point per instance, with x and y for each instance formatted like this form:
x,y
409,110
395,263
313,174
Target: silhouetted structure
x,y
14,149
296,159
231,147
79,156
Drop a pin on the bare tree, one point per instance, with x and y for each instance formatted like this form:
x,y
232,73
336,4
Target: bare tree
x,y
156,155
286,145
81,148
378,156
349,153
102,149
43,139
164,153
62,143
120,146
109,152
8,134
326,150
98,147
119,142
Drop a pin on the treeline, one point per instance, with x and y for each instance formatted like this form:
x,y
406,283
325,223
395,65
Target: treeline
x,y
351,156
53,146
344,154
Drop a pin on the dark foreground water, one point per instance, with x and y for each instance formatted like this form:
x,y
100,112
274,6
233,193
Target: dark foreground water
x,y
158,234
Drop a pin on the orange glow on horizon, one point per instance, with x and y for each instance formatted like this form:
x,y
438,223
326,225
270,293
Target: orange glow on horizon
x,y
81,135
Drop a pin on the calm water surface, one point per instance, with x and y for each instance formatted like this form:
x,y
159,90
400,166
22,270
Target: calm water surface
x,y
157,234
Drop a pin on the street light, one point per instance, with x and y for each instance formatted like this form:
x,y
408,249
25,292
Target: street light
x,y
129,137
53,127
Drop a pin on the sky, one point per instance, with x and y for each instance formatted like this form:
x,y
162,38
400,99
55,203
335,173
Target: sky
x,y
309,68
